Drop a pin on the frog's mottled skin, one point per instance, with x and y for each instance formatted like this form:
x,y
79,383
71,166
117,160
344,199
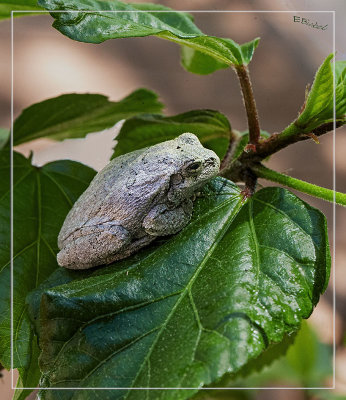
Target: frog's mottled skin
x,y
134,199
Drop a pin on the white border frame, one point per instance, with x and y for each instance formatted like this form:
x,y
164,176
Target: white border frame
x,y
333,216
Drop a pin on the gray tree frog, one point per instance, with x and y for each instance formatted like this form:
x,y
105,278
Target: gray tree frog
x,y
137,197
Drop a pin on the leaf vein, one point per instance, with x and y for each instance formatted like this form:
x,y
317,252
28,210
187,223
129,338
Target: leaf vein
x,y
208,253
59,187
287,216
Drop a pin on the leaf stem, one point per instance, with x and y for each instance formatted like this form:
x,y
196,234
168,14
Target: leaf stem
x,y
232,144
249,102
305,187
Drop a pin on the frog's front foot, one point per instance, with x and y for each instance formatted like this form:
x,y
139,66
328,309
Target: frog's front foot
x,y
162,221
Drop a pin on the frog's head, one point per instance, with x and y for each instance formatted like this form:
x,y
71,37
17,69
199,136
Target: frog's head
x,y
195,165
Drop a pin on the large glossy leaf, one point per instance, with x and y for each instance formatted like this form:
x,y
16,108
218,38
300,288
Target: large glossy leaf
x,y
113,19
211,127
75,115
7,6
41,199
238,278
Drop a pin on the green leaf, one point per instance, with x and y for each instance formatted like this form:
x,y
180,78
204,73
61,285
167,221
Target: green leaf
x,y
41,199
340,71
75,115
145,19
4,136
320,96
248,49
29,376
340,90
7,6
199,63
318,109
238,278
211,127
202,63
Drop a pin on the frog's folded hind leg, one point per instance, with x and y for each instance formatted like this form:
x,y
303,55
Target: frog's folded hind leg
x,y
91,246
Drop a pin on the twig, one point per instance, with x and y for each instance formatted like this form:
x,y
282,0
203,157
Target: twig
x,y
250,104
236,169
278,141
250,179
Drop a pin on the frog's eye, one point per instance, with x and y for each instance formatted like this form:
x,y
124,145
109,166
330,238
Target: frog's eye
x,y
193,167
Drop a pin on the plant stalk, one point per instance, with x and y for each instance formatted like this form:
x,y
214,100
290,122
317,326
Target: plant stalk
x,y
292,134
305,187
250,104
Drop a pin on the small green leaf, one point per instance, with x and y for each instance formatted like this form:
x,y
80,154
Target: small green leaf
x,y
211,127
238,278
320,96
199,63
7,6
318,109
340,71
248,49
4,136
340,90
41,199
75,115
202,63
145,19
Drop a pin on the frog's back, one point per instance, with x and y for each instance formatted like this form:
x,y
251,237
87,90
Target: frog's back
x,y
106,193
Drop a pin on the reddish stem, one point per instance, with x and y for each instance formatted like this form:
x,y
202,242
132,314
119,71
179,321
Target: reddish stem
x,y
250,104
